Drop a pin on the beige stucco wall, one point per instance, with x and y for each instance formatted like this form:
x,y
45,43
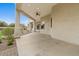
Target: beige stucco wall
x,y
66,22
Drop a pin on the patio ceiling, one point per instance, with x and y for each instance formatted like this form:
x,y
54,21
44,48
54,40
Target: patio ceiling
x,y
31,8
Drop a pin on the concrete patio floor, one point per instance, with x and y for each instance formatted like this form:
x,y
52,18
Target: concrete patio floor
x,y
6,50
37,44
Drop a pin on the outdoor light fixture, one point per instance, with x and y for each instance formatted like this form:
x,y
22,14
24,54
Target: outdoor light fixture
x,y
37,14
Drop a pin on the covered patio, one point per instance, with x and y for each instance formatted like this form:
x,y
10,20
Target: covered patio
x,y
53,29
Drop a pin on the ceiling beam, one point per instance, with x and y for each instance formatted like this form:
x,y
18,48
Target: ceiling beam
x,y
25,13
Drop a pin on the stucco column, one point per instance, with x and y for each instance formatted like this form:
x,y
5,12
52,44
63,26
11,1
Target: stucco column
x,y
39,22
17,32
34,26
30,27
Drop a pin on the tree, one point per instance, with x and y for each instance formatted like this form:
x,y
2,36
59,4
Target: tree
x,y
3,24
11,25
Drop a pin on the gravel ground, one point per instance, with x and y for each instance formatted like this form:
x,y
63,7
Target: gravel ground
x,y
7,50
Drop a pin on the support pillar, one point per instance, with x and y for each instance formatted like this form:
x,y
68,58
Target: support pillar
x,y
17,31
34,26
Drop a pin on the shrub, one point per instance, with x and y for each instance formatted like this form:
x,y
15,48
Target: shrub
x,y
9,33
10,40
0,37
0,40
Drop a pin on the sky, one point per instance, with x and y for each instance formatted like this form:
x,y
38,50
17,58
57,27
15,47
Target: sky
x,y
24,19
8,14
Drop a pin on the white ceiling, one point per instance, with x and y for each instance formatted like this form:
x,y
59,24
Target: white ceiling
x,y
32,8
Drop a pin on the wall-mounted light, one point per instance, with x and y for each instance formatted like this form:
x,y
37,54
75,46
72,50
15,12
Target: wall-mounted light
x,y
37,14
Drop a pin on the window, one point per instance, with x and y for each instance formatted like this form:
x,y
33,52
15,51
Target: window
x,y
42,26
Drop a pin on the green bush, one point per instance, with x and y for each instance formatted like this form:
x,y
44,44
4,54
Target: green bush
x,y
0,40
8,32
0,37
10,40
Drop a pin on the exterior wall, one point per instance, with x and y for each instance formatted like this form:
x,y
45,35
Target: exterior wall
x,y
47,22
66,22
